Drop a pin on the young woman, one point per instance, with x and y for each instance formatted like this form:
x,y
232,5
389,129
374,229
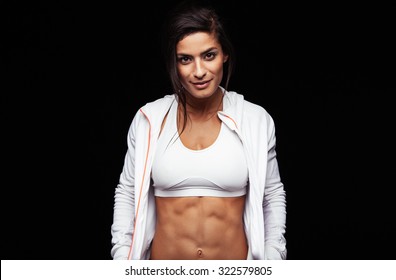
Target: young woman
x,y
200,178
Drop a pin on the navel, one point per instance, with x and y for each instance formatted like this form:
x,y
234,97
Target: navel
x,y
200,253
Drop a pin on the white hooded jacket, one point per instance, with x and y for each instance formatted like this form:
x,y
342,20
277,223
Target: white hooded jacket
x,y
265,208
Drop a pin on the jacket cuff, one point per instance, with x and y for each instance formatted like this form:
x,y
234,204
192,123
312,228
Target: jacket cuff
x,y
273,254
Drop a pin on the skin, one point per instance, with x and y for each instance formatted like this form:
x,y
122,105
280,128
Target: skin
x,y
200,227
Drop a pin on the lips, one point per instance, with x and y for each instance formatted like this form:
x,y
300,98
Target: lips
x,y
201,85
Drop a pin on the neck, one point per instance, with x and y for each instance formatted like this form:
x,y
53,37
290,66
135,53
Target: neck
x,y
204,107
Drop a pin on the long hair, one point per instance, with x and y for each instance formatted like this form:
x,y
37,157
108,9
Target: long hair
x,y
186,18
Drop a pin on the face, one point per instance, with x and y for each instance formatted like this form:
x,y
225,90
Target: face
x,y
200,62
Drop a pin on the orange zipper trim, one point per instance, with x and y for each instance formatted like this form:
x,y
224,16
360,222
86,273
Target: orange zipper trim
x,y
141,185
231,119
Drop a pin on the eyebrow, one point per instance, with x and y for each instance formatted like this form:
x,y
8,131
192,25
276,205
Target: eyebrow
x,y
202,53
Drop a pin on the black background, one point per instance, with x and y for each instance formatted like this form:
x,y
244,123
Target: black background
x,y
76,72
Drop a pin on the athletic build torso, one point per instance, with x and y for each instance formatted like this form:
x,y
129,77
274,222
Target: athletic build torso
x,y
204,221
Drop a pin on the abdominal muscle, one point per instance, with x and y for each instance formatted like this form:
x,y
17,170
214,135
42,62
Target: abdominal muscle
x,y
199,228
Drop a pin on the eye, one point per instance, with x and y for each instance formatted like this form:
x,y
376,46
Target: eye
x,y
210,55
184,59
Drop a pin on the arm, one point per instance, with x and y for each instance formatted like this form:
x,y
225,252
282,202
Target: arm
x,y
274,203
124,202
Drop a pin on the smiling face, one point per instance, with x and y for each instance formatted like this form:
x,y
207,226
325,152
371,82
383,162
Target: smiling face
x,y
200,60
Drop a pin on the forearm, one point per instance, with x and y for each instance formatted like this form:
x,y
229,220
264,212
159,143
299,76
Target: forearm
x,y
123,223
274,209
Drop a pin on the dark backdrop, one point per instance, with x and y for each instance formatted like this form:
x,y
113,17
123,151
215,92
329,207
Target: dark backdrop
x,y
76,72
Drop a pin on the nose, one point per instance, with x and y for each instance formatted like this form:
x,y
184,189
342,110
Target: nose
x,y
200,70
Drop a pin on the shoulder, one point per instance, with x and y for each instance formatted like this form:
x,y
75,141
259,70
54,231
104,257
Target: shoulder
x,y
254,108
159,103
154,107
249,109
152,113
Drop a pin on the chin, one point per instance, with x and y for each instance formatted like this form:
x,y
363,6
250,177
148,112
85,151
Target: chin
x,y
202,93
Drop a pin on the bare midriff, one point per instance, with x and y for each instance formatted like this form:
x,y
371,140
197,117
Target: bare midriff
x,y
194,228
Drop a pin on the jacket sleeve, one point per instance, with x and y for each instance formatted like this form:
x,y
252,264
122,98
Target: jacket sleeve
x,y
274,202
124,202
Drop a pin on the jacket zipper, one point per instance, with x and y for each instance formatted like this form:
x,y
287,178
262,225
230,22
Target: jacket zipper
x,y
141,184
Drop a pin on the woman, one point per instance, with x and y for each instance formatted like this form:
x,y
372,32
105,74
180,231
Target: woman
x,y
200,178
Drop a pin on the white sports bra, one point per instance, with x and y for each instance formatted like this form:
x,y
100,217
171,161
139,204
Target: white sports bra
x,y
219,170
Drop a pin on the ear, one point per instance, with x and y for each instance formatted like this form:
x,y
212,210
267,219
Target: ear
x,y
225,58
